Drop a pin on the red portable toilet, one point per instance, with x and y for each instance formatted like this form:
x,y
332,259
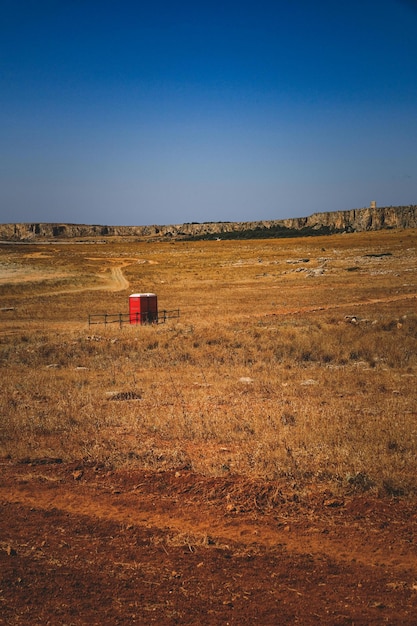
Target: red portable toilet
x,y
143,308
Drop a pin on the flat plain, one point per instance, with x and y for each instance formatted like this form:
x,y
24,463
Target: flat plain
x,y
252,461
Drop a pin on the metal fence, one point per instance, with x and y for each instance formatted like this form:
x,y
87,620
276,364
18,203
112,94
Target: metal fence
x,y
132,318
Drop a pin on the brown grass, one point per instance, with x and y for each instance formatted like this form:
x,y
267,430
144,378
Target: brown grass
x,y
292,359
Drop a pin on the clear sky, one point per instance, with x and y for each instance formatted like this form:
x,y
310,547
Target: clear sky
x,y
170,111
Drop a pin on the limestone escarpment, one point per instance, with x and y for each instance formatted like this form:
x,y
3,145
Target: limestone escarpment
x,y
354,220
357,220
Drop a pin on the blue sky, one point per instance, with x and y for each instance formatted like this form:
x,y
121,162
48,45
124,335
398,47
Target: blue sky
x,y
169,112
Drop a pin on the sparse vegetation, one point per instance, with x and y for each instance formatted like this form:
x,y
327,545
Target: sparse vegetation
x,y
270,232
277,368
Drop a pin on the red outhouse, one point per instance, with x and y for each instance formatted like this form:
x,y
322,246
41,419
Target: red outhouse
x,y
143,308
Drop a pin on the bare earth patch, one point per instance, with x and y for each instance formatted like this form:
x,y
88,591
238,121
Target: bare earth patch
x,y
83,545
10,274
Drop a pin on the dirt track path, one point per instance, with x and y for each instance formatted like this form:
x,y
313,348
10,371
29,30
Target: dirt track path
x,y
137,539
119,281
115,281
343,305
315,536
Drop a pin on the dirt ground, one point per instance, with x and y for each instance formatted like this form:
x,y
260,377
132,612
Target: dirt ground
x,y
83,544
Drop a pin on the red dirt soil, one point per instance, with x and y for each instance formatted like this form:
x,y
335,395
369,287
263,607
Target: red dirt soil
x,y
84,545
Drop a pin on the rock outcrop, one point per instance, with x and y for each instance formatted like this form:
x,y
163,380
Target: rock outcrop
x,y
355,220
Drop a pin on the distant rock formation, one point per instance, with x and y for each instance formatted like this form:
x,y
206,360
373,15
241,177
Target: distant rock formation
x,y
354,220
357,220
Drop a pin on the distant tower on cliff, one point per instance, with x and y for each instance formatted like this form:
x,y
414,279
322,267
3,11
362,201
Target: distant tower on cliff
x,y
373,204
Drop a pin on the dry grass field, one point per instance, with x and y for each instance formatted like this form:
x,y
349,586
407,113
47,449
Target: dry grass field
x,y
292,368
290,359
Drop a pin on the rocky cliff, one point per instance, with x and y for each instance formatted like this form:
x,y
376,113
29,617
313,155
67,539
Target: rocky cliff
x,y
355,220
